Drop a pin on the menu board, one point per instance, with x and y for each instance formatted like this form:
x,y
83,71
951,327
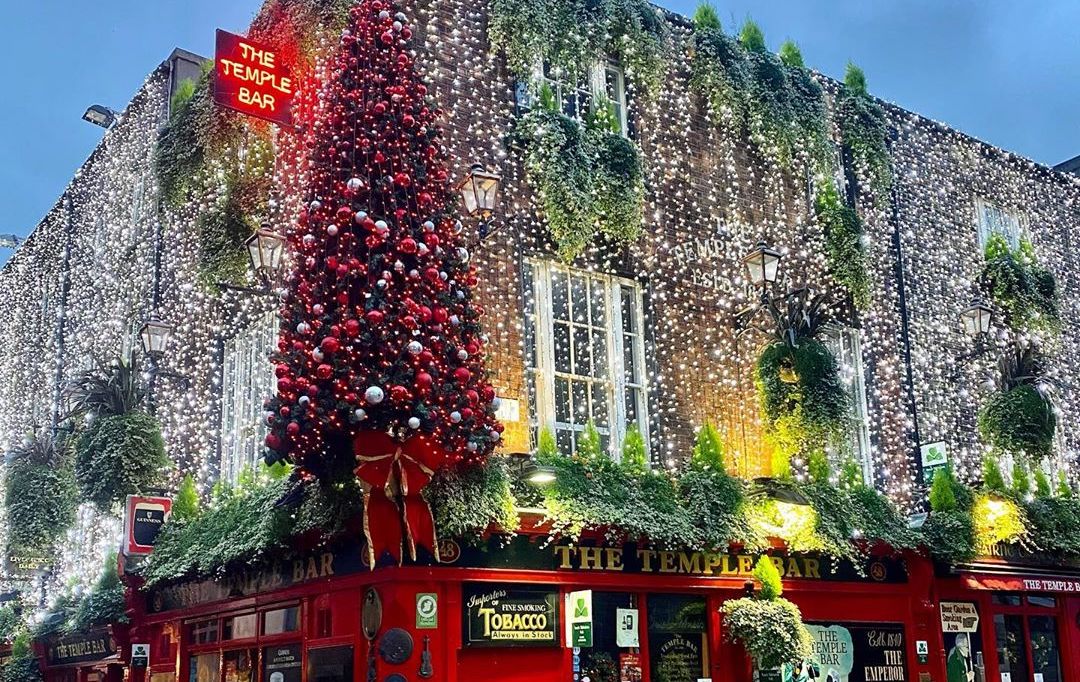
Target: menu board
x,y
282,663
503,617
850,652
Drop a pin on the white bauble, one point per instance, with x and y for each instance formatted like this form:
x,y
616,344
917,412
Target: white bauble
x,y
374,395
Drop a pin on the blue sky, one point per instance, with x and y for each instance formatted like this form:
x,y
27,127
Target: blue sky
x,y
1000,70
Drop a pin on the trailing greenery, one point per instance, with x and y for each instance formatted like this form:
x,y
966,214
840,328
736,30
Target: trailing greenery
x,y
780,103
468,499
39,495
716,501
117,456
185,506
1020,287
803,402
569,36
844,244
263,517
1019,418
768,626
864,130
10,621
589,179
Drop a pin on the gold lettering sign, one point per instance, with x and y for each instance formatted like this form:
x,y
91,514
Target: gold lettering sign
x,y
681,562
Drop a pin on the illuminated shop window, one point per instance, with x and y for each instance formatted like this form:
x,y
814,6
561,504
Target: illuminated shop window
x,y
574,98
844,344
247,379
993,219
586,354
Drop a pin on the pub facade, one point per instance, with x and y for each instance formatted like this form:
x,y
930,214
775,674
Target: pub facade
x,y
648,336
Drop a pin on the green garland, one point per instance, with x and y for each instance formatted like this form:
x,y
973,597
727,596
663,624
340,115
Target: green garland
x,y
39,496
803,402
467,499
864,130
254,522
844,244
1020,286
572,35
589,179
117,456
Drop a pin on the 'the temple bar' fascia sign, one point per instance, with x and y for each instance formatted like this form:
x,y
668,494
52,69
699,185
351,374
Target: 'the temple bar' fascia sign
x,y
249,78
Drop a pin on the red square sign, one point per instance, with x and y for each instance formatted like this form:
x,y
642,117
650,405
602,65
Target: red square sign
x,y
249,78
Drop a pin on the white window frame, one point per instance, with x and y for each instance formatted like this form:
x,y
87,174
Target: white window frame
x,y
542,376
247,379
991,218
846,346
595,82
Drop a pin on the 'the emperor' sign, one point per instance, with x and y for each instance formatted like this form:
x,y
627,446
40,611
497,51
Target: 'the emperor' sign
x,y
249,78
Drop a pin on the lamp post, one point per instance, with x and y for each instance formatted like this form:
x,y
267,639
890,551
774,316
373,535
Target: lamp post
x,y
266,254
977,319
763,264
479,191
155,335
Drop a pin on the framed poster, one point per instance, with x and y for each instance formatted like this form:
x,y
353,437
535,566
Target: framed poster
x,y
852,652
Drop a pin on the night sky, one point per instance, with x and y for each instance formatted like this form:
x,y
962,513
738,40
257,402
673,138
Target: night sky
x,y
1005,72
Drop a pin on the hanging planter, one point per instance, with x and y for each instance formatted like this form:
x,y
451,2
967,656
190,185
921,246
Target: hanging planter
x,y
119,450
1020,418
803,402
39,496
1019,286
768,626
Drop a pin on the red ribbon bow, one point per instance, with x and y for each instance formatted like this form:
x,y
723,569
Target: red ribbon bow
x,y
392,475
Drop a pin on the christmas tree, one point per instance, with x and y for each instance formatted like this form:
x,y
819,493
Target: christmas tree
x,y
380,362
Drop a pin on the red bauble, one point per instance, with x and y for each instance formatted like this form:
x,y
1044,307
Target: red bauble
x,y
399,394
330,345
352,327
375,317
407,245
462,375
324,371
423,381
292,429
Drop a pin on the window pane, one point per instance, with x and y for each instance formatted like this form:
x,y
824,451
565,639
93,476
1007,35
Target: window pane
x,y
564,439
204,668
281,620
562,400
560,306
599,405
1004,599
1048,602
580,390
562,348
582,356
629,319
598,304
1045,658
239,627
632,406
579,299
238,666
599,354
1011,648
205,632
629,360
678,648
332,664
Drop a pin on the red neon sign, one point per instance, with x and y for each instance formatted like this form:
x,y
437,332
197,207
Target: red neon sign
x,y
249,79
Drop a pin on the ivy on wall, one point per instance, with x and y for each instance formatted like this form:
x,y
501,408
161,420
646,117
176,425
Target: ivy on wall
x,y
1019,286
844,244
864,130
773,96
569,36
589,178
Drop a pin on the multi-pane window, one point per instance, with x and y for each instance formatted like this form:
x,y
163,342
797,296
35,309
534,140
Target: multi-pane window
x,y
843,342
586,355
993,219
604,81
247,379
